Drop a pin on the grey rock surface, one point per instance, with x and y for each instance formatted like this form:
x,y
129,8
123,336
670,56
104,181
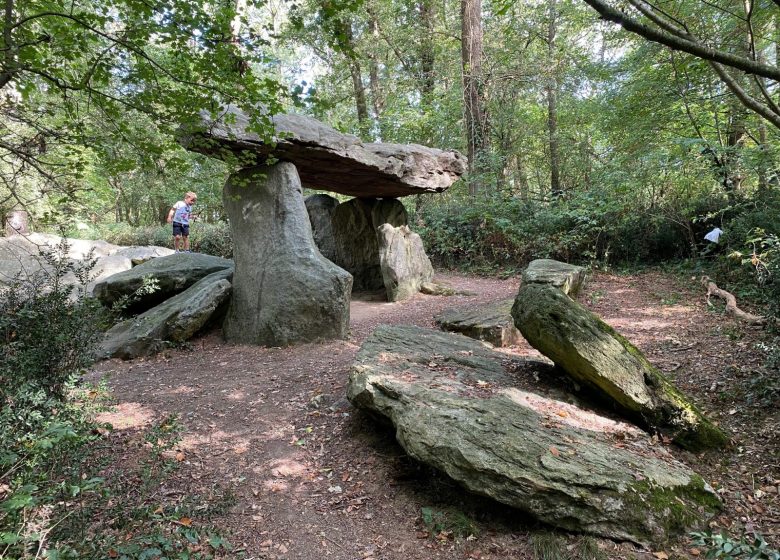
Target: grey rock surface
x,y
492,323
566,277
404,265
175,320
355,235
592,352
320,208
329,160
284,290
173,274
20,255
454,407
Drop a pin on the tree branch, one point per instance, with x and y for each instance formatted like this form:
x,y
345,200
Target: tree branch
x,y
689,45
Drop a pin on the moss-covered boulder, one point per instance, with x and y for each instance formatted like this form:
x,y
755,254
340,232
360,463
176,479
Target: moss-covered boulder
x,y
492,323
592,352
454,406
566,277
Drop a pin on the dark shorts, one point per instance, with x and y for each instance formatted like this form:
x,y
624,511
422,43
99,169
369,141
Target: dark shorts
x,y
181,229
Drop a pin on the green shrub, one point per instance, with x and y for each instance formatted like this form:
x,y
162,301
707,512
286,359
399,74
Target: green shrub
x,y
47,328
720,545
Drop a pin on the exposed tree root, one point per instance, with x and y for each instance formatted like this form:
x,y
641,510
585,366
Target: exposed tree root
x,y
731,303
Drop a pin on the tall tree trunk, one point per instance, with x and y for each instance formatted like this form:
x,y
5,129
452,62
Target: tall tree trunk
x,y
427,53
377,99
552,100
475,115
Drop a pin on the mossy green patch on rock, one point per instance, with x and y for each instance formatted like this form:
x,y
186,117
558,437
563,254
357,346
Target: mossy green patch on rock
x,y
592,352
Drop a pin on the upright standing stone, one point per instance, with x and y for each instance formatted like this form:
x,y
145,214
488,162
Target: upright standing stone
x,y
355,224
405,266
284,290
321,208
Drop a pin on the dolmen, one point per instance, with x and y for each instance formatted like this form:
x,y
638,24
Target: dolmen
x,y
287,287
506,427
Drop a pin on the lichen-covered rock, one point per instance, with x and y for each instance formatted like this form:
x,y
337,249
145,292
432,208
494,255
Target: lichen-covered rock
x,y
454,407
592,352
566,277
284,290
175,320
405,266
172,274
492,323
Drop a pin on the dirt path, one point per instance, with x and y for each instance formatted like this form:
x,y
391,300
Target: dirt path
x,y
309,477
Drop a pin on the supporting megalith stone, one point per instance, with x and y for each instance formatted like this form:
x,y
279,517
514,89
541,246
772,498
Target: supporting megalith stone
x,y
404,265
321,208
591,352
284,290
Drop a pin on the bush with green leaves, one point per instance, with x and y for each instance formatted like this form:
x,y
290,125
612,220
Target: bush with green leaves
x,y
48,329
722,546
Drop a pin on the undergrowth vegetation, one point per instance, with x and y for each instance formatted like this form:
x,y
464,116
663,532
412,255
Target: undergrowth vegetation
x,y
62,494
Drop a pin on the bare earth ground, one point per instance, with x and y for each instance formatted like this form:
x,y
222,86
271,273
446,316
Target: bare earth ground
x,y
309,477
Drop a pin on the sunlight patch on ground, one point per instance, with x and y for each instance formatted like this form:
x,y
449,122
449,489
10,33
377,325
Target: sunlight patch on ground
x,y
568,414
182,390
127,415
237,395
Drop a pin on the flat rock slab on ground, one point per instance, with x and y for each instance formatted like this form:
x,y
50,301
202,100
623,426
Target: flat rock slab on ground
x,y
454,407
492,323
592,352
329,160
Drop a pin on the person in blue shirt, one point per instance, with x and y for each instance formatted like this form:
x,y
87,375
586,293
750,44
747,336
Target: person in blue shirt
x,y
180,215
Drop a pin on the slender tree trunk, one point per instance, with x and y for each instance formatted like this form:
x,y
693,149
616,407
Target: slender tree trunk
x,y
552,100
475,116
427,53
377,99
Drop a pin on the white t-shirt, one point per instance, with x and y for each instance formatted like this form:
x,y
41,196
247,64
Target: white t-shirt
x,y
182,213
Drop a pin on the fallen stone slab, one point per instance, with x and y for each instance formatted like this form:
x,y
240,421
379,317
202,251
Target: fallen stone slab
x,y
172,274
454,407
176,320
327,159
492,323
434,288
566,277
284,290
592,352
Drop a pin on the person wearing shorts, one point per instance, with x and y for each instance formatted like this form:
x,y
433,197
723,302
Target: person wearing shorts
x,y
179,216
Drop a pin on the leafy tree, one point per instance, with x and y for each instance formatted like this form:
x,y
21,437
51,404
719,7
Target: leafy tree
x,y
75,75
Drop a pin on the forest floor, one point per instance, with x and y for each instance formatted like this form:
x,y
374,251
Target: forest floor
x,y
288,469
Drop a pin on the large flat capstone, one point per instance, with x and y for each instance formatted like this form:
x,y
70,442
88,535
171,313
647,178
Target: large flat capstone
x,y
454,406
327,159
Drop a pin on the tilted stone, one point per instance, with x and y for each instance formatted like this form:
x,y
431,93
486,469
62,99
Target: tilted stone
x,y
172,274
284,290
566,277
329,160
592,352
453,407
492,323
404,264
175,320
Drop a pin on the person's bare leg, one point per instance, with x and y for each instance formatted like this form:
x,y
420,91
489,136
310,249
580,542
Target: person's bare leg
x,y
186,239
176,242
